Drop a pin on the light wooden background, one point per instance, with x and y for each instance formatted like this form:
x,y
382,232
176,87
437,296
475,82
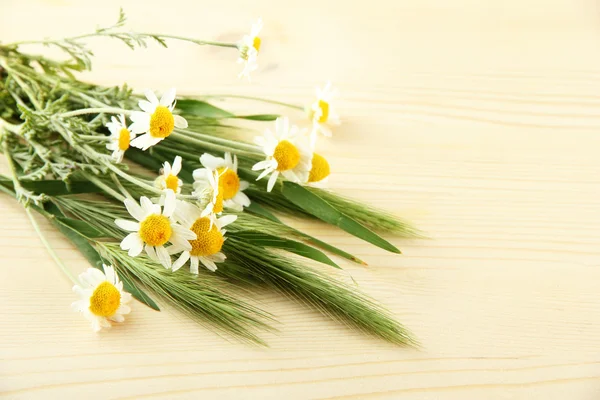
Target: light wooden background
x,y
478,120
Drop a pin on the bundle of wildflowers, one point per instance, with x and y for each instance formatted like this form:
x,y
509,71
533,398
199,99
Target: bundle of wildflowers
x,y
171,204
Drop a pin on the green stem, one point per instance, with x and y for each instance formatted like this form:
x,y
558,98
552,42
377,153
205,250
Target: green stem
x,y
235,96
52,253
114,34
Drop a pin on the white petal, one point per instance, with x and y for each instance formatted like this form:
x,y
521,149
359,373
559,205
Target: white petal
x,y
184,233
244,185
261,165
144,142
127,225
138,127
147,205
163,256
134,209
218,257
183,258
176,165
211,162
180,122
168,97
194,265
132,242
290,175
242,199
170,203
147,106
208,264
166,169
201,174
265,173
151,96
272,181
117,318
140,117
226,220
151,252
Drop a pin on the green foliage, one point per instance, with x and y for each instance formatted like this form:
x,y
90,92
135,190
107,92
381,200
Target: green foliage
x,y
315,205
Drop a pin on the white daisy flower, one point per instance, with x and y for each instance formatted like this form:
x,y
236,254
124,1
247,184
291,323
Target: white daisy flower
x,y
249,47
168,179
206,248
287,153
211,194
319,171
157,120
153,229
322,113
229,181
101,297
120,137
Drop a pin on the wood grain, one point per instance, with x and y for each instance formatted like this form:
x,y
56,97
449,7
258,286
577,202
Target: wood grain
x,y
477,120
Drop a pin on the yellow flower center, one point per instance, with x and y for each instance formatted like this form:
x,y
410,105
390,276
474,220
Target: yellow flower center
x,y
229,182
105,300
324,106
256,43
208,242
320,168
172,182
124,139
161,122
155,230
287,156
218,207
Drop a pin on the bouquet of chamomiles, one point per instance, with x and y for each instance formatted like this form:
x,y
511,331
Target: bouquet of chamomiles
x,y
171,201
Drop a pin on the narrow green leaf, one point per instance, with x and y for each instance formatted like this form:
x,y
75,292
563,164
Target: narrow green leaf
x,y
257,209
81,227
53,187
332,249
301,249
130,287
200,108
80,242
315,205
259,117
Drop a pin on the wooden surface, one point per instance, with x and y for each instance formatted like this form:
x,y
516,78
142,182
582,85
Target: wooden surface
x,y
477,120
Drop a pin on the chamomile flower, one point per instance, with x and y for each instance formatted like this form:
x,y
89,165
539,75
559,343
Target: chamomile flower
x,y
154,228
249,47
120,137
211,194
206,248
322,113
287,151
319,171
168,179
157,120
101,297
229,181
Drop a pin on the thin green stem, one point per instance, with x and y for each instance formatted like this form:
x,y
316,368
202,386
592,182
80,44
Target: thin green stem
x,y
115,34
52,253
235,96
99,110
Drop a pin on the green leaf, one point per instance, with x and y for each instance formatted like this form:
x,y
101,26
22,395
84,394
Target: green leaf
x,y
130,287
259,117
257,209
80,242
203,109
266,240
315,205
82,227
53,187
